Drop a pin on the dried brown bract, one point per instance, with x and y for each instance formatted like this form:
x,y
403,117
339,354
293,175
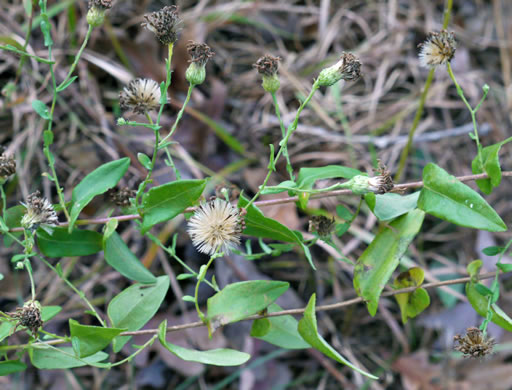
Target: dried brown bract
x,y
267,65
347,68
383,182
322,225
7,166
164,24
474,343
121,196
199,53
101,4
28,316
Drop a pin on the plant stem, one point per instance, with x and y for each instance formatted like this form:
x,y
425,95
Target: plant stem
x,y
202,276
289,167
77,57
147,180
180,114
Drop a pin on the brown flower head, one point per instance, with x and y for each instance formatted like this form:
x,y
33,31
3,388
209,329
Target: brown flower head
x,y
121,196
474,343
347,68
28,316
7,166
140,96
438,49
383,182
39,211
267,65
164,24
322,225
199,53
101,4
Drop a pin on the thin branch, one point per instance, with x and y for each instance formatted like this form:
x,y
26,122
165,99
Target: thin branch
x,y
273,202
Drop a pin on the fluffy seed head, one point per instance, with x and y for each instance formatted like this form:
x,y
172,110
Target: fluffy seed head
x,y
438,49
347,68
39,212
28,316
322,225
216,225
474,343
121,196
164,24
140,96
7,166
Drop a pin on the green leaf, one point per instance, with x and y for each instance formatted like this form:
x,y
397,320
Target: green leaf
x,y
62,87
215,357
493,250
11,366
164,202
308,330
411,303
6,328
51,358
240,300
482,289
281,187
257,225
13,216
87,340
343,212
491,166
389,206
144,160
308,176
447,198
48,312
122,259
41,109
504,267
61,243
95,183
479,302
280,331
135,306
380,259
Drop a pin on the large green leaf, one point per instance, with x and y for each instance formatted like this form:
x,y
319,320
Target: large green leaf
x,y
280,331
411,303
308,176
95,183
389,206
380,259
447,198
122,259
491,166
164,202
240,300
308,330
257,225
87,340
11,366
135,306
480,302
215,357
51,358
61,243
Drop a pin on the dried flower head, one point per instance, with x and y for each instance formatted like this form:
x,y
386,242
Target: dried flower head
x,y
164,24
7,166
322,225
28,316
39,212
199,53
267,66
474,343
102,4
438,49
383,182
121,196
140,96
216,225
347,68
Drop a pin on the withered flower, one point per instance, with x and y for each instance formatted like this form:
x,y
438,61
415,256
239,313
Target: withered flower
x,y
140,96
121,196
267,66
322,225
474,343
164,24
347,68
438,49
7,166
199,53
96,13
39,211
28,316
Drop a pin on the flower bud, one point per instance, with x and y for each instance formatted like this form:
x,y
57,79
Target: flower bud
x,y
347,68
195,73
199,53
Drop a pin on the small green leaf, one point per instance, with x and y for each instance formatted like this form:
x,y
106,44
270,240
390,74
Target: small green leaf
x,y
504,267
41,109
280,331
281,187
11,366
47,358
48,140
411,303
308,176
122,259
6,329
188,298
62,87
48,312
185,276
343,212
491,166
95,183
87,340
493,250
240,300
390,206
479,302
164,202
135,306
308,330
144,160
445,197
474,267
380,259
61,243
482,289
214,357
